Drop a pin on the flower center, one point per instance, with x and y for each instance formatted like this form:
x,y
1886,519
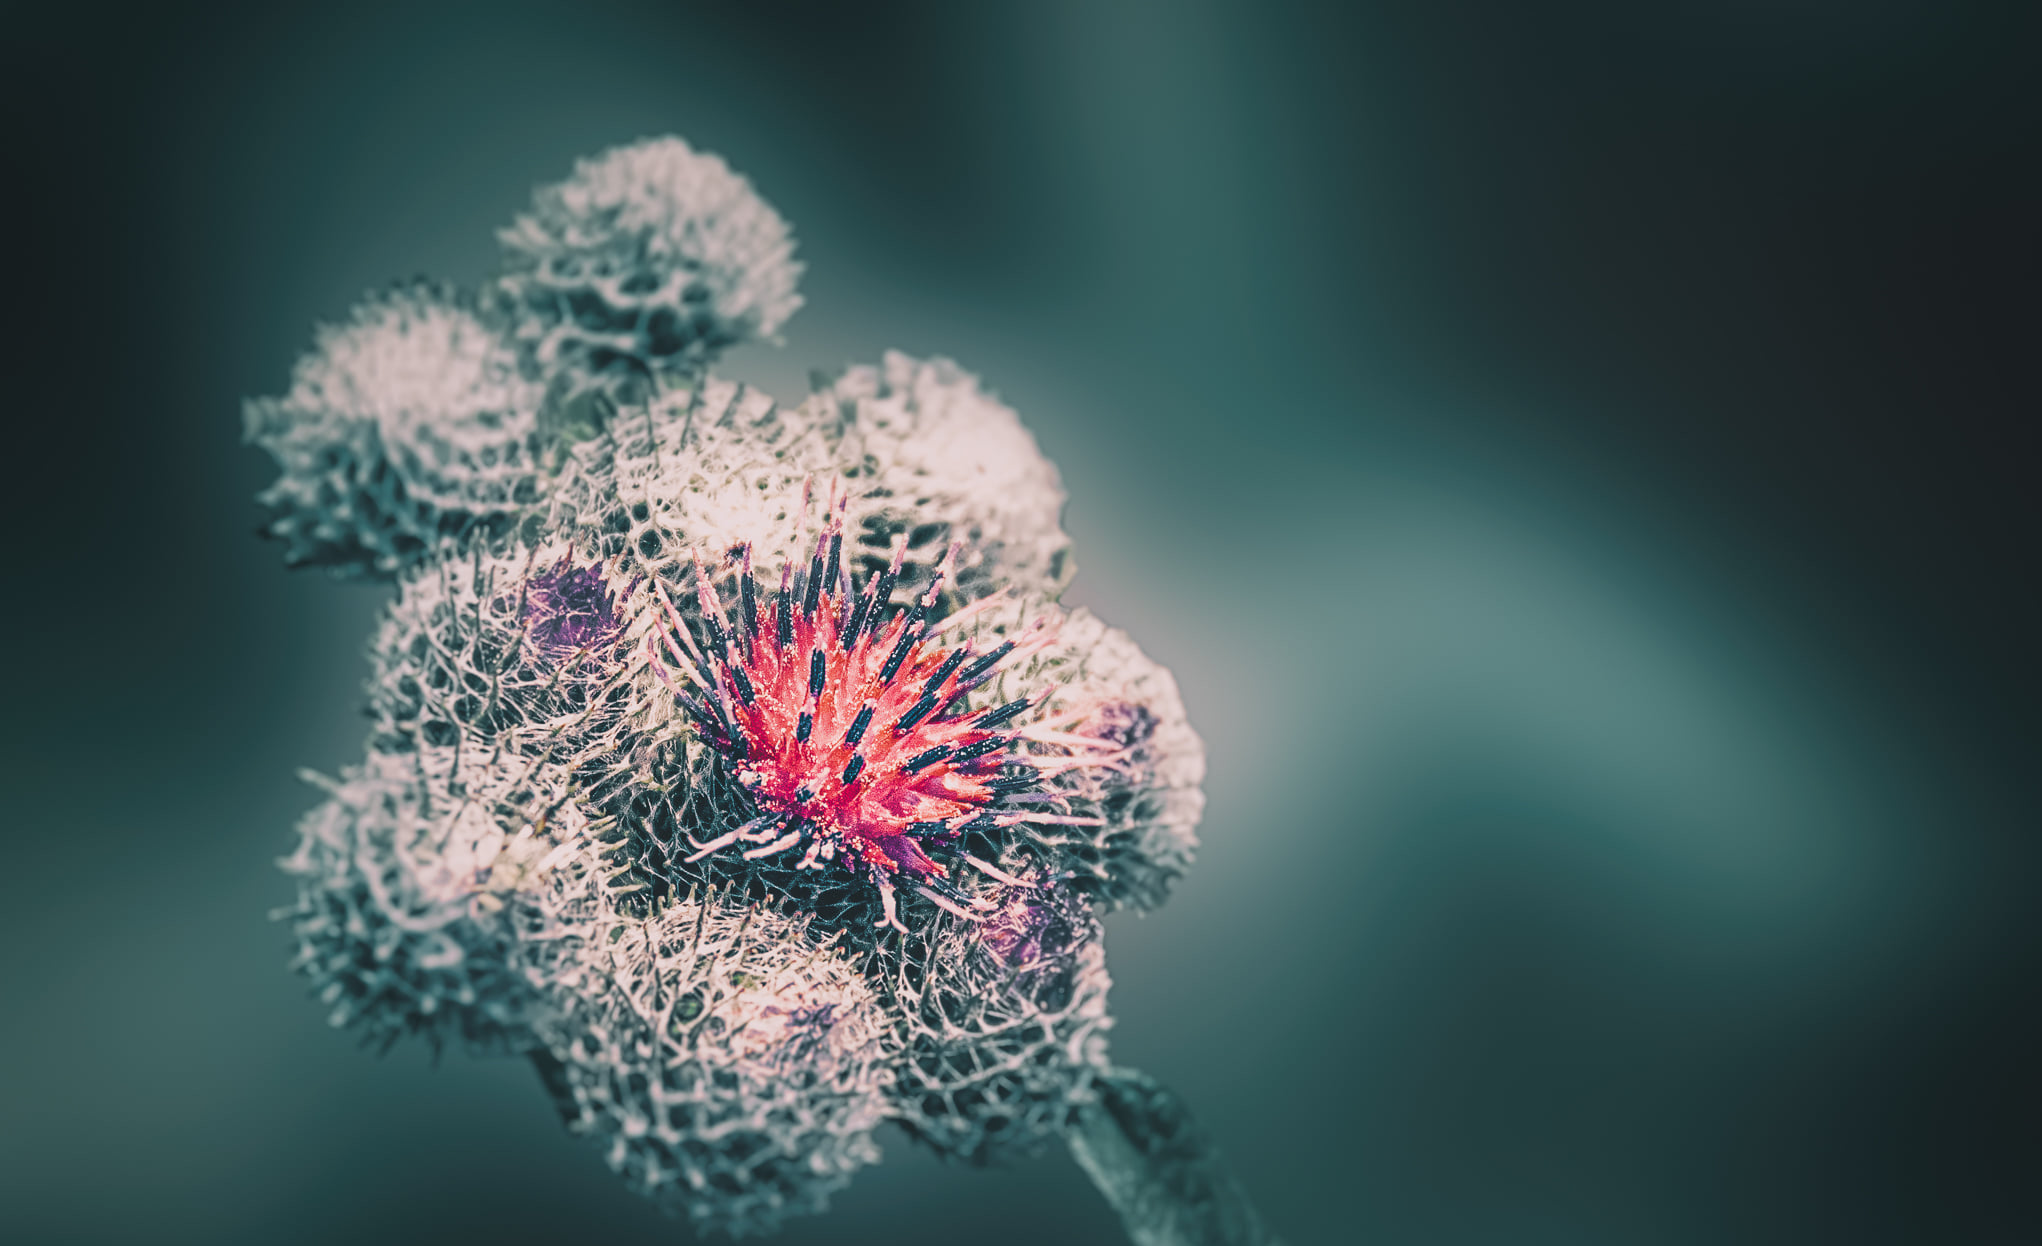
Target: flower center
x,y
849,721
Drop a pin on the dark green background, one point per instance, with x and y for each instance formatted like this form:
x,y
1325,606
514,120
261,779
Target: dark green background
x,y
1568,457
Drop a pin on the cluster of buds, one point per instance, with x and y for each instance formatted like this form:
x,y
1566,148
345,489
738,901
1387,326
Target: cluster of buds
x,y
732,760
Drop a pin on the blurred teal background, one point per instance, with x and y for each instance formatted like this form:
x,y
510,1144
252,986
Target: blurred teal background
x,y
1568,458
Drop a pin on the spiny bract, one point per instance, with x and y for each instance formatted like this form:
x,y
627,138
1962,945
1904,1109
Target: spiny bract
x,y
734,761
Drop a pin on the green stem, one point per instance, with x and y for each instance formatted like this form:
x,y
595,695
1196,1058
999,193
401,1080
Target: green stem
x,y
1159,1170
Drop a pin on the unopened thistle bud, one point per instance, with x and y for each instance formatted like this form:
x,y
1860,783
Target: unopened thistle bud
x,y
651,258
406,426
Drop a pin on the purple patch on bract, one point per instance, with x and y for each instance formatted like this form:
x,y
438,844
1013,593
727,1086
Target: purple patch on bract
x,y
569,609
1124,723
1035,926
804,1030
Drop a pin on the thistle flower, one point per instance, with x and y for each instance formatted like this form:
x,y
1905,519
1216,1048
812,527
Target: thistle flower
x,y
976,479
1008,1031
732,761
399,921
1147,800
948,461
652,257
853,731
407,425
727,1065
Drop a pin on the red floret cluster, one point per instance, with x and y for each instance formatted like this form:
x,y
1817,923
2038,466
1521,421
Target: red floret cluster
x,y
850,723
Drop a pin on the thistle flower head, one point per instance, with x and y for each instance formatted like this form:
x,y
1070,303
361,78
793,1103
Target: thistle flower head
x,y
399,919
406,425
652,257
752,822
727,1065
1007,1019
851,724
948,462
